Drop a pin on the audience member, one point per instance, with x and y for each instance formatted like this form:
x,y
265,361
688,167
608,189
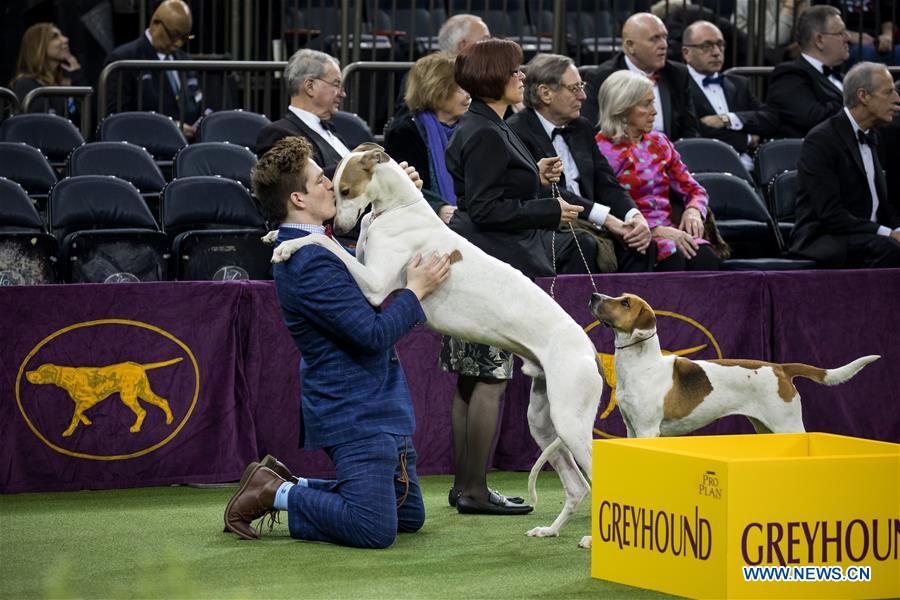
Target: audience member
x,y
169,30
313,81
727,109
551,126
363,418
780,17
420,136
644,46
44,60
461,31
649,167
872,32
806,91
497,186
844,215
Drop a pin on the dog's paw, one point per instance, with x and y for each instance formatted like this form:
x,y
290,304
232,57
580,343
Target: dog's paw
x,y
585,542
270,238
542,532
283,252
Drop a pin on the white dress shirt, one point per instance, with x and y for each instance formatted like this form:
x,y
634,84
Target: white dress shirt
x,y
817,64
314,123
869,164
658,123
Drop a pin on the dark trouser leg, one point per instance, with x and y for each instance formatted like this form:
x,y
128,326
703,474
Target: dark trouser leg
x,y
876,252
704,260
673,262
632,261
411,512
569,260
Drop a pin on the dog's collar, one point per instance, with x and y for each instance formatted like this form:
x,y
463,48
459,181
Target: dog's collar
x,y
637,342
375,215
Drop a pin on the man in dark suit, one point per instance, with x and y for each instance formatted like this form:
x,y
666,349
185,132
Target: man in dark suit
x,y
806,91
845,216
550,126
314,83
644,47
354,402
170,28
727,109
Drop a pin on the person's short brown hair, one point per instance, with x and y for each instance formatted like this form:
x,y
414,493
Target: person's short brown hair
x,y
484,68
431,82
278,173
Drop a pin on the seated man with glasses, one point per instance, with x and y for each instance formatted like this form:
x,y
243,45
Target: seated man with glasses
x,y
551,126
806,91
727,109
169,30
645,42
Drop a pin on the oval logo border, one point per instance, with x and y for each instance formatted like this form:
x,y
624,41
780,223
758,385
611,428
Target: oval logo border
x,y
69,328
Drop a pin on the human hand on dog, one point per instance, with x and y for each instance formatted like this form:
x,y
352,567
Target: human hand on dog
x,y
568,212
550,169
423,277
412,174
692,222
684,242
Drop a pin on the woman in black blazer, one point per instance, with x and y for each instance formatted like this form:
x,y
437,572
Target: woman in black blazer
x,y
500,210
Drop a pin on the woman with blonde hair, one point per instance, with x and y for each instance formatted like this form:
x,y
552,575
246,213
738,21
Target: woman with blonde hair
x,y
45,60
648,166
420,137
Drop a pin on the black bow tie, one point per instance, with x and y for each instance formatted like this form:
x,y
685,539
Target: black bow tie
x,y
328,126
565,132
829,72
866,138
713,80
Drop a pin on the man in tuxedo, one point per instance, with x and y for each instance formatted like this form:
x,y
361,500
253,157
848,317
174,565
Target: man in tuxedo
x,y
845,216
314,83
354,400
169,30
644,47
551,126
727,109
806,91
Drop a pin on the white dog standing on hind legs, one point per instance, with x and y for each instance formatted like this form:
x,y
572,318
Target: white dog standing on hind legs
x,y
556,351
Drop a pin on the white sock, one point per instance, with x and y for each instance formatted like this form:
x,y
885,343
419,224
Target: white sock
x,y
281,496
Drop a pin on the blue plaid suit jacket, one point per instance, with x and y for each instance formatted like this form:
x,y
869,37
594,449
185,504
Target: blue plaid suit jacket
x,y
352,384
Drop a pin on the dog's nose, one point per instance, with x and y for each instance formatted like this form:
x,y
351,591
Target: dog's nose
x,y
599,297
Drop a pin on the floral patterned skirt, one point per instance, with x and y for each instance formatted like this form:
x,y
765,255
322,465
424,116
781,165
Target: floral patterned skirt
x,y
475,360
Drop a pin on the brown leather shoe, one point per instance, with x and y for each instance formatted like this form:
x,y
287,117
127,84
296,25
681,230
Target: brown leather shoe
x,y
254,499
279,467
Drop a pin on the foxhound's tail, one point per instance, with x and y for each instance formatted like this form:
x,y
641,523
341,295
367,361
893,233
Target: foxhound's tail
x,y
539,463
165,363
829,376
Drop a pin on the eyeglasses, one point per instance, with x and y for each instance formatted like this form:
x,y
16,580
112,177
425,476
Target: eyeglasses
x,y
575,88
841,33
337,85
707,47
184,38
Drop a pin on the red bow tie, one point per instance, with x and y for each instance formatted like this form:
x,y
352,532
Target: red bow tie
x,y
654,77
329,231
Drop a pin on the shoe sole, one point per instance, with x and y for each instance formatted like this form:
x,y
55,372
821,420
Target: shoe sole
x,y
248,473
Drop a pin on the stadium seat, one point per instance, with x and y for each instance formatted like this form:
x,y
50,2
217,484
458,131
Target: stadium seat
x,y
235,126
776,157
705,155
782,199
352,129
157,133
105,231
27,251
28,167
53,135
123,160
215,230
215,158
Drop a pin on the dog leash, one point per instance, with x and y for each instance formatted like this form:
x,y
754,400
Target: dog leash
x,y
554,190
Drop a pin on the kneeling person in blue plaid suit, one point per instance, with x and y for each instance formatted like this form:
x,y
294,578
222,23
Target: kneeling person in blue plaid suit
x,y
354,401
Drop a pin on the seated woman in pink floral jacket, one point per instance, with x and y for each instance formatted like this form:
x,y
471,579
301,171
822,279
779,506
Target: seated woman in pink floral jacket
x,y
648,166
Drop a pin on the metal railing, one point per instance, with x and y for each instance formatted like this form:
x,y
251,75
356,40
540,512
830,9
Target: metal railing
x,y
81,93
352,77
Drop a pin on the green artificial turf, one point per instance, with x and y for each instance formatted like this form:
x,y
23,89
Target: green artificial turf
x,y
168,543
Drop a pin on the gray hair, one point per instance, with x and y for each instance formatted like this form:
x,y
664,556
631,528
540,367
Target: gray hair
x,y
306,64
861,76
455,29
813,20
622,91
544,69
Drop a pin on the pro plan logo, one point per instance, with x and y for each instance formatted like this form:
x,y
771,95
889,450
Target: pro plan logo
x,y
108,390
709,486
681,336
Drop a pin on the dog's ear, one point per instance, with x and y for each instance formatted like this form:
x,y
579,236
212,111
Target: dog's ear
x,y
371,158
367,146
646,319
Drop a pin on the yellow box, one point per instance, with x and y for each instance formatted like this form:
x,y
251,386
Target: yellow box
x,y
686,515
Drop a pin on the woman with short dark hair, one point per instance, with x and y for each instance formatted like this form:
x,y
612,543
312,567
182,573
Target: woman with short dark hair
x,y
502,210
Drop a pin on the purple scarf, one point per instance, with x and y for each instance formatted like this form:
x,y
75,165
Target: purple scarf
x,y
437,136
